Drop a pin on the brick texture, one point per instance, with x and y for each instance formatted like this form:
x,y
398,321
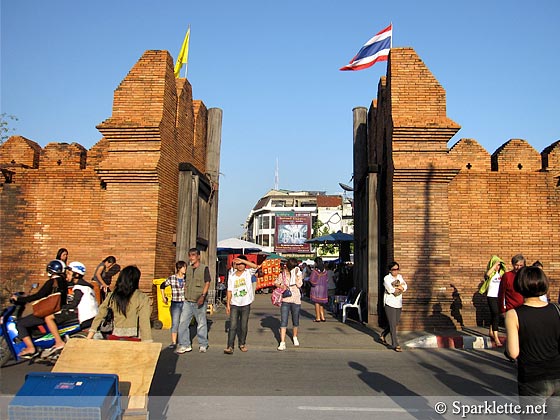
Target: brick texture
x,y
119,198
445,212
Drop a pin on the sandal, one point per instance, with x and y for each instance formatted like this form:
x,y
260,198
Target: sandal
x,y
229,350
382,340
316,320
243,348
27,354
398,349
51,351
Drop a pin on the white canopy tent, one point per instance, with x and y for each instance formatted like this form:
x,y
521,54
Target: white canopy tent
x,y
235,245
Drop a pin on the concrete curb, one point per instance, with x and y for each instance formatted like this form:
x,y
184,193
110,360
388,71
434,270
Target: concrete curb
x,y
467,342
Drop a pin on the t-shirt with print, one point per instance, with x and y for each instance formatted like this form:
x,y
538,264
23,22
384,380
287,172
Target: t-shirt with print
x,y
494,286
241,288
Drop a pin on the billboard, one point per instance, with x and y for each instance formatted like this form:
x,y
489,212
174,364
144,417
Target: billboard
x,y
292,230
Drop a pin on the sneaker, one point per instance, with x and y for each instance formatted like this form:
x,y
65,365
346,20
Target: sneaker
x,y
296,342
203,349
172,346
183,349
282,346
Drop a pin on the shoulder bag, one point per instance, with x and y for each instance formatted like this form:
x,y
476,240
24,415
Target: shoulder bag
x,y
108,323
287,292
49,304
276,297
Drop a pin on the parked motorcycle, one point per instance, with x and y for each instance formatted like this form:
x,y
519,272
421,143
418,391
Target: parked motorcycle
x,y
11,345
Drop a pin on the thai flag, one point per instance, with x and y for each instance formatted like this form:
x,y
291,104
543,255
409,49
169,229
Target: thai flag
x,y
376,49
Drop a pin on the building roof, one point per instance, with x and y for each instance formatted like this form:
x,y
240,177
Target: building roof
x,y
263,201
329,200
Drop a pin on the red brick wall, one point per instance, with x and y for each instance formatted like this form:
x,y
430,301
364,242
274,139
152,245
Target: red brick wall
x,y
445,212
45,208
119,198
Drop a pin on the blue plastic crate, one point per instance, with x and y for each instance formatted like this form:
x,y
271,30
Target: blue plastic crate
x,y
61,396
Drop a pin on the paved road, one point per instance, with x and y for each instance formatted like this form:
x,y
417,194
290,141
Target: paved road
x,y
338,372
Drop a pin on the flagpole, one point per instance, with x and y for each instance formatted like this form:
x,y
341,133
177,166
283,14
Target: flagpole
x,y
391,36
188,46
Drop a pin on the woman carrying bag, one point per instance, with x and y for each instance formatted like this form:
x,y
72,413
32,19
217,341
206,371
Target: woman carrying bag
x,y
291,278
56,283
131,309
395,286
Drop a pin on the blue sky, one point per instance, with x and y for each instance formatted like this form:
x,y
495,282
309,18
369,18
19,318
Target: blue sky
x,y
273,69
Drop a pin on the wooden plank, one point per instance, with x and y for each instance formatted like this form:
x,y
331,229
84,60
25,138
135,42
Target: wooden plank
x,y
214,141
133,362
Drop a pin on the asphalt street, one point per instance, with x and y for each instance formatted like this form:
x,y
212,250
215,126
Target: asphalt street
x,y
339,371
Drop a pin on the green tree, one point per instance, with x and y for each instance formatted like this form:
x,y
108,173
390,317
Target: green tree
x,y
5,129
320,229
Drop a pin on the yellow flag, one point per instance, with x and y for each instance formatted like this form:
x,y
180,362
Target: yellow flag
x,y
183,54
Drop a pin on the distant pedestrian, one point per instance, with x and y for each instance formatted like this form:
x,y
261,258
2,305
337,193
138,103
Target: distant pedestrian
x,y
177,284
540,265
306,272
395,286
495,269
197,280
240,295
508,298
290,278
331,284
62,255
100,275
319,289
533,331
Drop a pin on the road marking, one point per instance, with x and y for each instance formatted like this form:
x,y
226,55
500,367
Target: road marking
x,y
372,409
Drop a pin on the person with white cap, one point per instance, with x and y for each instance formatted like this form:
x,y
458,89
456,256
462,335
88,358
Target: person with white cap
x,y
81,307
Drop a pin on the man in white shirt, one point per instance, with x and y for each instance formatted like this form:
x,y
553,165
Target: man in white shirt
x,y
240,295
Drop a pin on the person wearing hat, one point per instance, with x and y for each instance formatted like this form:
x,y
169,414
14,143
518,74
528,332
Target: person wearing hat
x,y
81,307
240,295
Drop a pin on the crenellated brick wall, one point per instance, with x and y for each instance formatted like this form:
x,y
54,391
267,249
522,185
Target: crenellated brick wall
x,y
119,198
444,212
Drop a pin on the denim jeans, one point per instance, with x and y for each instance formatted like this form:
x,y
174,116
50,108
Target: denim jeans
x,y
546,391
175,309
191,309
285,310
239,316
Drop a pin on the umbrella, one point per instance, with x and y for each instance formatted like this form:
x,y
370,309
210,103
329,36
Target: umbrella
x,y
332,238
273,256
235,245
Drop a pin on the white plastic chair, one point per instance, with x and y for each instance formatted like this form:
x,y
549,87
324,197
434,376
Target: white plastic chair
x,y
355,305
211,302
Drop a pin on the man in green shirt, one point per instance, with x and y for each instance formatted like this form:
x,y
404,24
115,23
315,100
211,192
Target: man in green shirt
x,y
197,283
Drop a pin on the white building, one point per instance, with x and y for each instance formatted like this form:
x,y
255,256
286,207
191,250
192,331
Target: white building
x,y
305,207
